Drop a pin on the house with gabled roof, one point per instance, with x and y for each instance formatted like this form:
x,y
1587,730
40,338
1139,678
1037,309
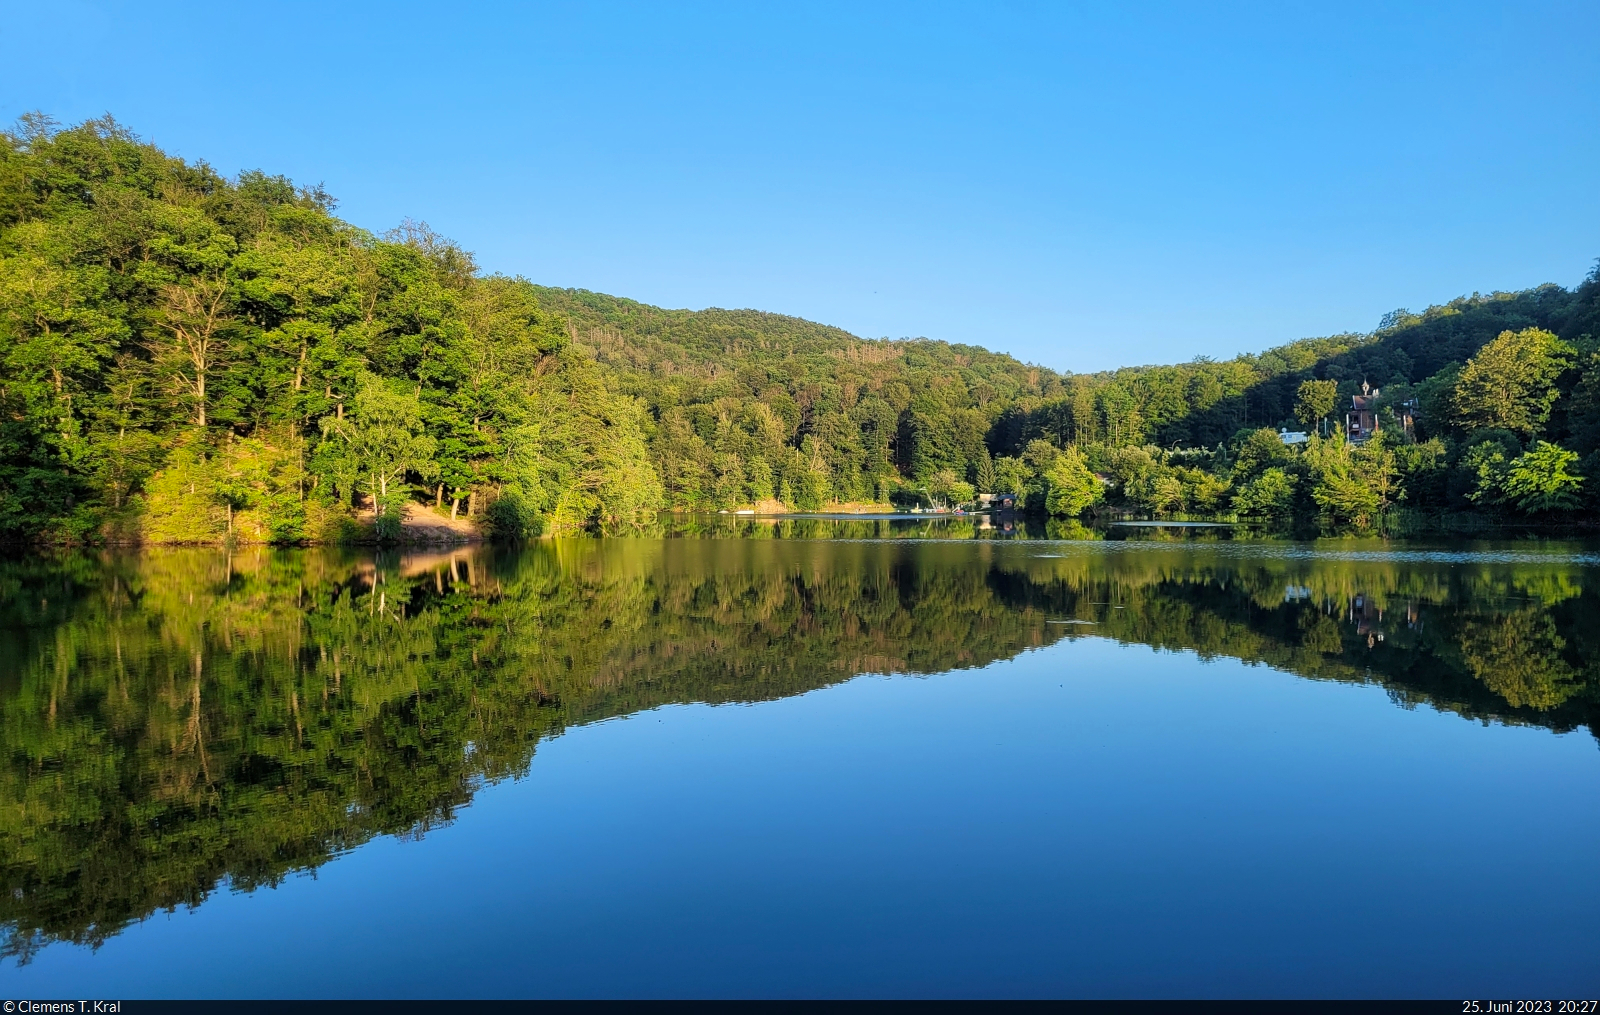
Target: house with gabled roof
x,y
1361,422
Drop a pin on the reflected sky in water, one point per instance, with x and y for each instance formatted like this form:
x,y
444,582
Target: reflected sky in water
x,y
802,767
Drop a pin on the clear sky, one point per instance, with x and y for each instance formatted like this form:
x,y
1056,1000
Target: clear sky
x,y
1084,186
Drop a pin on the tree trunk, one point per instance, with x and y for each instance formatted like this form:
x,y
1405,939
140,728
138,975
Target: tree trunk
x,y
472,503
438,497
455,502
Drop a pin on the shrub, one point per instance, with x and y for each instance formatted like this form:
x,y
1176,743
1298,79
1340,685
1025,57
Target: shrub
x,y
1539,481
387,526
1269,495
513,518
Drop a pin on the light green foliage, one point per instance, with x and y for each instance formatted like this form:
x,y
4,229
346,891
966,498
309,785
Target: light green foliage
x,y
1350,485
1269,495
1353,486
1134,468
1541,480
759,478
947,490
1314,402
1485,465
1510,383
185,357
180,499
1204,491
1072,487
1260,450
1377,466
383,439
1011,475
1146,481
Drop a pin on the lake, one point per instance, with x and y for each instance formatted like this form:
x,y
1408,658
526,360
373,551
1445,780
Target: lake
x,y
823,758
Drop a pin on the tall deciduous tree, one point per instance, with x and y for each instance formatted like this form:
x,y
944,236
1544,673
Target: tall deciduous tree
x,y
195,314
1314,402
1511,382
1073,488
384,439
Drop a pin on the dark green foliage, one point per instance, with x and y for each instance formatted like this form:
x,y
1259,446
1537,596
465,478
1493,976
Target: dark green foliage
x,y
188,358
513,518
747,405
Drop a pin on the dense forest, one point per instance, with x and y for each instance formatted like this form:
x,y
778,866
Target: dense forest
x,y
186,357
178,721
1486,408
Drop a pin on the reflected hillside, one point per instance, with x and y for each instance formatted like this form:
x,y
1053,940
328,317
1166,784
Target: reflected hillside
x,y
1510,637
180,719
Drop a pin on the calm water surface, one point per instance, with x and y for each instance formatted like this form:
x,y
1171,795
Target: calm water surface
x,y
788,766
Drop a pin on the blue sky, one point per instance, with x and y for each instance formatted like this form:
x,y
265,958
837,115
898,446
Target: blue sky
x,y
1083,186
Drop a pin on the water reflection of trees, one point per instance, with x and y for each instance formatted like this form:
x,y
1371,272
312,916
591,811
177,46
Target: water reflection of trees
x,y
179,719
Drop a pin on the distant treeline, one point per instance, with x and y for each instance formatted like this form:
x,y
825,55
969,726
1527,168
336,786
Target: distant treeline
x,y
188,358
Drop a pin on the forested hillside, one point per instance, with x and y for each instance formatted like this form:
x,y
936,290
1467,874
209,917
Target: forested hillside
x,y
190,358
1501,391
750,406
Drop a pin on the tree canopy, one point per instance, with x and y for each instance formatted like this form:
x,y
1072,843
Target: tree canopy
x,y
188,358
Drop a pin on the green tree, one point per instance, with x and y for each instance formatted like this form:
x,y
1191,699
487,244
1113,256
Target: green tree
x,y
195,317
1203,490
1314,402
1377,467
1258,451
1338,486
383,439
1483,466
1540,480
1510,383
946,489
1011,475
1073,488
1269,495
984,476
